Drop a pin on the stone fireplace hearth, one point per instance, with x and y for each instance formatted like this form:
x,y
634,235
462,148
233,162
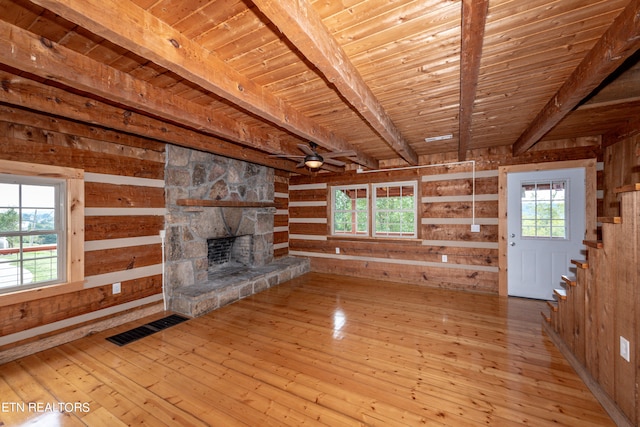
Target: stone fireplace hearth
x,y
194,283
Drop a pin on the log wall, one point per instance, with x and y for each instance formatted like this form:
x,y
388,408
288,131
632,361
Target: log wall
x,y
124,212
281,217
445,218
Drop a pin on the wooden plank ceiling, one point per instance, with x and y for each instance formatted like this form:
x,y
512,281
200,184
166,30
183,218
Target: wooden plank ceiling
x,y
370,77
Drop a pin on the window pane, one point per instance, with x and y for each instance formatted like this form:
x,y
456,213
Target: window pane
x,y
9,195
29,231
395,210
40,258
543,209
9,220
38,196
350,206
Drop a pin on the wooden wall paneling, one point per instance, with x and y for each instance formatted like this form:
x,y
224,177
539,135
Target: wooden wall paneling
x,y
569,317
446,278
123,195
461,209
281,217
579,336
118,259
459,232
592,314
622,166
24,316
64,155
625,288
604,304
117,227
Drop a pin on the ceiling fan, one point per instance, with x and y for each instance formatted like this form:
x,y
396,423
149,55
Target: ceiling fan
x,y
314,160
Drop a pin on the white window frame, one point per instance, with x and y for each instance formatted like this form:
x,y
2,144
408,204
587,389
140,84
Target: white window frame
x,y
370,189
413,210
59,229
73,268
334,211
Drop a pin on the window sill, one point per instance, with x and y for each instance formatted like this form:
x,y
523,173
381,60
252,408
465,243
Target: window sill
x,y
410,240
20,296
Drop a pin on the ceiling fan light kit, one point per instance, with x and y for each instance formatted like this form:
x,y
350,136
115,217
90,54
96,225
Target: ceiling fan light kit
x,y
313,161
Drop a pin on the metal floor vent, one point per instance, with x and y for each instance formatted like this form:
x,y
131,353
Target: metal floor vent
x,y
146,330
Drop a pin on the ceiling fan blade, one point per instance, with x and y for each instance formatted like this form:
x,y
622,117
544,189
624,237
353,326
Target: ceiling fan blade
x,y
305,149
300,165
339,154
334,162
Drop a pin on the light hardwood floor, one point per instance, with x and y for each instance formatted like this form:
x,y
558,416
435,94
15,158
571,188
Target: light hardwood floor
x,y
318,350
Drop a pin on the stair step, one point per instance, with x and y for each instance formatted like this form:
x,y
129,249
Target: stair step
x,y
552,306
561,294
627,188
580,263
610,219
545,317
571,281
597,244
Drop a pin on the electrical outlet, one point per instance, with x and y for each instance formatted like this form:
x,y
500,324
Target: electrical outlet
x,y
116,288
625,349
337,250
444,258
475,228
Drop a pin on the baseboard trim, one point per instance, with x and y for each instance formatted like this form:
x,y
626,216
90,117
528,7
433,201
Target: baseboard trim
x,y
79,332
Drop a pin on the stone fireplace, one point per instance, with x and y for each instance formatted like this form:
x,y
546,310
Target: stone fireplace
x,y
211,248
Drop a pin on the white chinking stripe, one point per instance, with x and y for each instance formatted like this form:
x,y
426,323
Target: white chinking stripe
x,y
277,195
123,180
122,276
127,242
307,237
282,229
317,186
307,204
396,261
308,220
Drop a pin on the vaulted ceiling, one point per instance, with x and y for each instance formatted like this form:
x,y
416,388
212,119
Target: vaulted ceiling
x,y
370,77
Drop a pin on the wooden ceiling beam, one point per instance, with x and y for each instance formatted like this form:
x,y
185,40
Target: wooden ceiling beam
x,y
300,23
620,41
27,52
25,93
630,129
474,17
147,36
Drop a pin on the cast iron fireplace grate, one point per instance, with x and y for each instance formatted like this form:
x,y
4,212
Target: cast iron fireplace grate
x,y
146,330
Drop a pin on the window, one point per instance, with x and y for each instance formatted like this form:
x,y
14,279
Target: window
x,y
394,207
394,210
32,231
350,210
41,228
543,210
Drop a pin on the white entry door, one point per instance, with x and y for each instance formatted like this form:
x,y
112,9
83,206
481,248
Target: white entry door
x,y
546,227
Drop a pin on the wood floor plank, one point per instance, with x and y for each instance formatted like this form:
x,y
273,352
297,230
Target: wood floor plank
x,y
322,350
